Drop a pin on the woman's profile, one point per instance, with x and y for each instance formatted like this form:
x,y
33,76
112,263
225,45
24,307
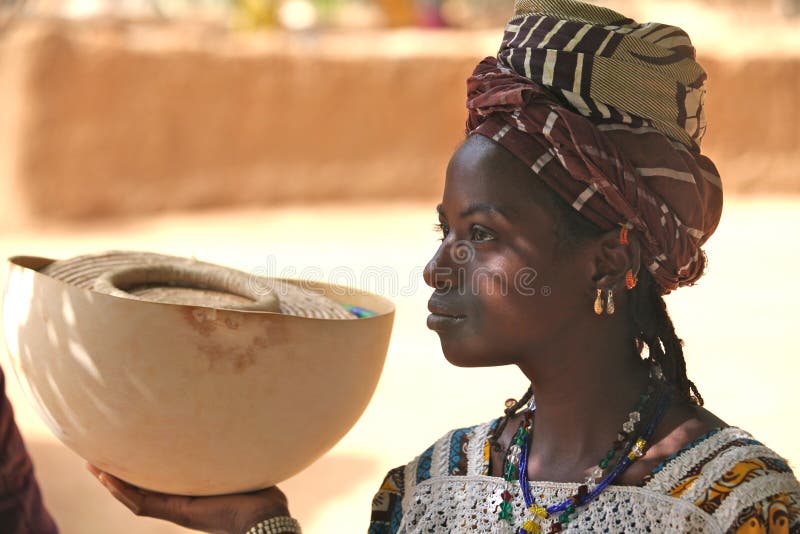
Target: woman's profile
x,y
583,163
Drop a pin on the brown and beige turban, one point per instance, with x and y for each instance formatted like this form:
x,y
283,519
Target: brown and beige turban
x,y
609,113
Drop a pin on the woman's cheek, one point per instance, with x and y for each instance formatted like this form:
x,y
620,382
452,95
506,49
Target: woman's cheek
x,y
491,280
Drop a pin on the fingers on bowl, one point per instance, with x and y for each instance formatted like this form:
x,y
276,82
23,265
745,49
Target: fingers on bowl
x,y
174,508
128,495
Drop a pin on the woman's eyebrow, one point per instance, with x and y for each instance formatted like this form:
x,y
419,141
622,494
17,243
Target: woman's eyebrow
x,y
476,207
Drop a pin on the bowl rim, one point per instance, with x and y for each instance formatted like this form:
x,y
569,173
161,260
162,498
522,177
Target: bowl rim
x,y
382,307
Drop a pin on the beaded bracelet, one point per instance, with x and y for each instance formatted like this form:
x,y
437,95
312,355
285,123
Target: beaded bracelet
x,y
276,525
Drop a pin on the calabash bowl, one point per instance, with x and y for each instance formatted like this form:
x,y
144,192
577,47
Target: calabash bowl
x,y
186,399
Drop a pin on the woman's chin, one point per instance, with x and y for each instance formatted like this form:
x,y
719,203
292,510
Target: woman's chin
x,y
460,355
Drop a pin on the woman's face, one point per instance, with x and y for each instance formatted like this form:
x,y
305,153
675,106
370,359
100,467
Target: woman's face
x,y
502,288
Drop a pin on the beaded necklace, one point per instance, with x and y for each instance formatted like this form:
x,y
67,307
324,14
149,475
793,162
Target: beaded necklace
x,y
628,439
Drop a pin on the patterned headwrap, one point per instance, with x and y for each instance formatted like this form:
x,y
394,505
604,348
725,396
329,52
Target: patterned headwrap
x,y
609,113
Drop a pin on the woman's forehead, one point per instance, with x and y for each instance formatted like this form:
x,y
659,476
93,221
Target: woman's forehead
x,y
483,172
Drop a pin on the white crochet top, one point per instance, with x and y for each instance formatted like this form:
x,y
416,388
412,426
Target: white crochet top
x,y
724,482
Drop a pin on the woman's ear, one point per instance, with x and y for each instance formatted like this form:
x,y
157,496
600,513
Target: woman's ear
x,y
613,258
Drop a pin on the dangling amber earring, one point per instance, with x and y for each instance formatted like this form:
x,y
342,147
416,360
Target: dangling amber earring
x,y
598,302
623,236
610,302
630,280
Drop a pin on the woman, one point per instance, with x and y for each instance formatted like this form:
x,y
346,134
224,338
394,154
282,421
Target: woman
x,y
582,171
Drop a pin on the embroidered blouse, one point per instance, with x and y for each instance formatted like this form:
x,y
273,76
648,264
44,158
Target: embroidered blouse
x,y
725,481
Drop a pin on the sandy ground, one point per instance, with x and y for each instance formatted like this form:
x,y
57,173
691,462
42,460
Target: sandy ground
x,y
739,325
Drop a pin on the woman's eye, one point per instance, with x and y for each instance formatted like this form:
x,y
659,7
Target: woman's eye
x,y
441,228
479,233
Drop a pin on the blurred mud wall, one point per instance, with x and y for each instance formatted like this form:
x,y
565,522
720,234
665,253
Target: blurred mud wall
x,y
115,118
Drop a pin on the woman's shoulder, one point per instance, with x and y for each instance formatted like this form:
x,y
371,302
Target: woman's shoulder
x,y
710,456
732,476
460,451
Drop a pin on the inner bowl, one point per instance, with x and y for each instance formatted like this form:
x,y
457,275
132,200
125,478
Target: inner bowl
x,y
190,399
191,284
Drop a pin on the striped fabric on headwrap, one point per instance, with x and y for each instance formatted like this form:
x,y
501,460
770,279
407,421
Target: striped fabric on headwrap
x,y
609,113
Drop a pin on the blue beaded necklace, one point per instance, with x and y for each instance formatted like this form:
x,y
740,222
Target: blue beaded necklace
x,y
518,456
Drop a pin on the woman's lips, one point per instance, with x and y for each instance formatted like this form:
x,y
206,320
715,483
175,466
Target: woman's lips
x,y
443,319
440,323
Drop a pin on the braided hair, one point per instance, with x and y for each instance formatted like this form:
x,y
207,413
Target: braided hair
x,y
653,326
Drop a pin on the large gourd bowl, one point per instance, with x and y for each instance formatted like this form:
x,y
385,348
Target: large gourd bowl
x,y
185,399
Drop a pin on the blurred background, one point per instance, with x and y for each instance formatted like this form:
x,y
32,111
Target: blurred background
x,y
310,137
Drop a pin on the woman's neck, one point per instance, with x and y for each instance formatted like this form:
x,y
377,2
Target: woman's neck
x,y
584,389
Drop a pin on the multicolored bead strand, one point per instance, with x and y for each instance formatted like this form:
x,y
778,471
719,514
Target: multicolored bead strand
x,y
595,484
583,496
511,466
623,436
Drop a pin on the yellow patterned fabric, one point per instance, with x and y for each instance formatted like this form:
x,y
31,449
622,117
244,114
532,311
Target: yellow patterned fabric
x,y
770,516
773,514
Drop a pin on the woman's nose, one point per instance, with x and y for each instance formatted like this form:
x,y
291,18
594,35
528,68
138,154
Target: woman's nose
x,y
438,273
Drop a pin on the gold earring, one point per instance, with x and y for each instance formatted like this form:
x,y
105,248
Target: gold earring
x,y
610,302
598,302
